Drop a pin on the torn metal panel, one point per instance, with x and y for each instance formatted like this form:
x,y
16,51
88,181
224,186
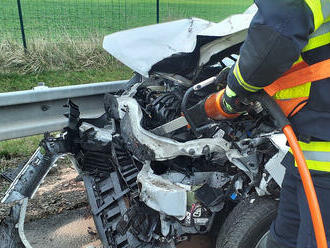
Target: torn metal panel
x,y
161,194
212,48
213,179
93,134
230,25
142,48
274,166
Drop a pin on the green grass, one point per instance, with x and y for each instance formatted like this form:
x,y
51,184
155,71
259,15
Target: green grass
x,y
15,81
22,147
49,19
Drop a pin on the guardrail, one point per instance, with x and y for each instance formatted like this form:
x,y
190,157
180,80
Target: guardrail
x,y
40,110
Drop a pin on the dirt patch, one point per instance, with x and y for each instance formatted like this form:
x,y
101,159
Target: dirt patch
x,y
60,191
74,229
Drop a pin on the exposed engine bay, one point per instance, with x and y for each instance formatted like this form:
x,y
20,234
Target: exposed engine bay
x,y
185,177
155,171
154,185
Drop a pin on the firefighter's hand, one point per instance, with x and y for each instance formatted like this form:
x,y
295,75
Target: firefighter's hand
x,y
224,104
232,103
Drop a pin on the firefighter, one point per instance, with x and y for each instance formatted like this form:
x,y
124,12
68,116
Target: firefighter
x,y
286,44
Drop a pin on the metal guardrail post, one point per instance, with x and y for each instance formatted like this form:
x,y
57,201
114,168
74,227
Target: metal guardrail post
x,y
157,10
21,23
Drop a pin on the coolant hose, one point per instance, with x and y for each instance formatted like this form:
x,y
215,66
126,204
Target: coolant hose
x,y
314,208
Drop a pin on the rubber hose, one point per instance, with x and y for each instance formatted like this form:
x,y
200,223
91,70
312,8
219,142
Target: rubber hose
x,y
275,111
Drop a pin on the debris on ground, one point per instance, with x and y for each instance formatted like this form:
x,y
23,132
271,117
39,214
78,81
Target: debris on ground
x,y
60,191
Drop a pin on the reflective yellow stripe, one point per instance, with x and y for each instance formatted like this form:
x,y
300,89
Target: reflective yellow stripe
x,y
315,146
318,165
230,92
321,149
321,34
241,81
318,41
316,7
294,92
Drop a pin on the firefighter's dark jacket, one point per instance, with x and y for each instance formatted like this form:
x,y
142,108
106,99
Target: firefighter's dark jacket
x,y
279,36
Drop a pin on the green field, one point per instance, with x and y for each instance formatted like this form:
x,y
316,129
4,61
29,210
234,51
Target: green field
x,y
81,18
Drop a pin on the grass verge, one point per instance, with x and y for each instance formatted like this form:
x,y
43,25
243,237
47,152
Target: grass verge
x,y
45,55
16,81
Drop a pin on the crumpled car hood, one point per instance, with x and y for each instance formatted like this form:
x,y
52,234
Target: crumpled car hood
x,y
142,48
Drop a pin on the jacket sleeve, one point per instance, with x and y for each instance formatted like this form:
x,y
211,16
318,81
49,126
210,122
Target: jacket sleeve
x,y
276,36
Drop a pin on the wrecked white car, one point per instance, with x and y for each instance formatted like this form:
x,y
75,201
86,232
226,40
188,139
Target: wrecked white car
x,y
155,173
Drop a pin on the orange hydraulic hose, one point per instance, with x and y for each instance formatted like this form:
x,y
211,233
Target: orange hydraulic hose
x,y
308,187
